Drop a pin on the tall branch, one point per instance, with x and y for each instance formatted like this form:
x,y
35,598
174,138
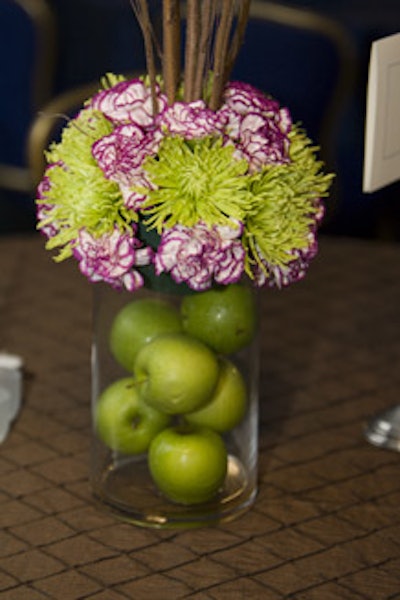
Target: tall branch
x,y
191,48
214,33
206,32
237,40
221,46
141,9
171,47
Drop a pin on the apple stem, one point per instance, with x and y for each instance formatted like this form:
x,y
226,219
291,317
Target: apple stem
x,y
137,382
181,423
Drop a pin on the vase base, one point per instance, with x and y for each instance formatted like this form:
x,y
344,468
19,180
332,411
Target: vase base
x,y
138,502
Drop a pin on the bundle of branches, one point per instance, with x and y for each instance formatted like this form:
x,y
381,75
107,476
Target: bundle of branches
x,y
212,31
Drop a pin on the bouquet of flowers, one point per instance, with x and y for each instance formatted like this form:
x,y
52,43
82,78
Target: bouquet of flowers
x,y
201,178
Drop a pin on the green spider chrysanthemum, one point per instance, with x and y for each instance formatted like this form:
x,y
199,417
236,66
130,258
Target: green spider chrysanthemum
x,y
109,80
285,205
195,180
80,196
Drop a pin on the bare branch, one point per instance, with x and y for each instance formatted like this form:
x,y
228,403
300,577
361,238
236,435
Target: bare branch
x,y
171,47
141,11
191,48
221,47
238,37
207,25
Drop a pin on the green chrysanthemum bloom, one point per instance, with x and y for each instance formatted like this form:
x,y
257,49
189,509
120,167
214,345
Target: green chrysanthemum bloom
x,y
195,180
79,195
285,205
110,80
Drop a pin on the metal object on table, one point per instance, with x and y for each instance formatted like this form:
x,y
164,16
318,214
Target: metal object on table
x,y
383,430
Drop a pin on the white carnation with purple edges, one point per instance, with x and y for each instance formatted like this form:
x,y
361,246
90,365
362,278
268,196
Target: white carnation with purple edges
x,y
120,156
198,255
111,258
256,125
191,120
128,102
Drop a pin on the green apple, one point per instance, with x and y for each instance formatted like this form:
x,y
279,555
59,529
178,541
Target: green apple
x,y
187,464
224,318
176,373
228,404
123,421
139,322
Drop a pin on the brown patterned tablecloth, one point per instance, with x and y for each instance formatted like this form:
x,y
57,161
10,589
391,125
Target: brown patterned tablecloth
x,y
326,523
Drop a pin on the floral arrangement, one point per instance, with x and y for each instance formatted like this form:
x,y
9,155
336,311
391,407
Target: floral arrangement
x,y
205,186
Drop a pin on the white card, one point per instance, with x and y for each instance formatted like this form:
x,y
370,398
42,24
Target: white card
x,y
382,128
10,390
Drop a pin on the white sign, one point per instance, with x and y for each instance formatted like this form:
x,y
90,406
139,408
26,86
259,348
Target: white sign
x,y
382,128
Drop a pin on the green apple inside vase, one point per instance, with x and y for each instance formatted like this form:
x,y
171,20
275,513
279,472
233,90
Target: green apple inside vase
x,y
176,373
188,464
224,318
228,404
137,323
123,421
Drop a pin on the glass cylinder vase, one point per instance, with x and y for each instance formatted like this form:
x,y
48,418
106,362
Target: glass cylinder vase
x,y
175,404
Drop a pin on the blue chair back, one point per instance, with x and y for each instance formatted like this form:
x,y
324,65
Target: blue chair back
x,y
305,60
26,56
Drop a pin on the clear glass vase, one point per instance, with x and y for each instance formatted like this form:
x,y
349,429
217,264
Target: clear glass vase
x,y
175,404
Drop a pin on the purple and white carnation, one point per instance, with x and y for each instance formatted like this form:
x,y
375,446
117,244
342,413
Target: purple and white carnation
x,y
43,208
111,258
243,98
43,211
129,101
257,126
198,255
124,150
295,270
120,156
191,120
